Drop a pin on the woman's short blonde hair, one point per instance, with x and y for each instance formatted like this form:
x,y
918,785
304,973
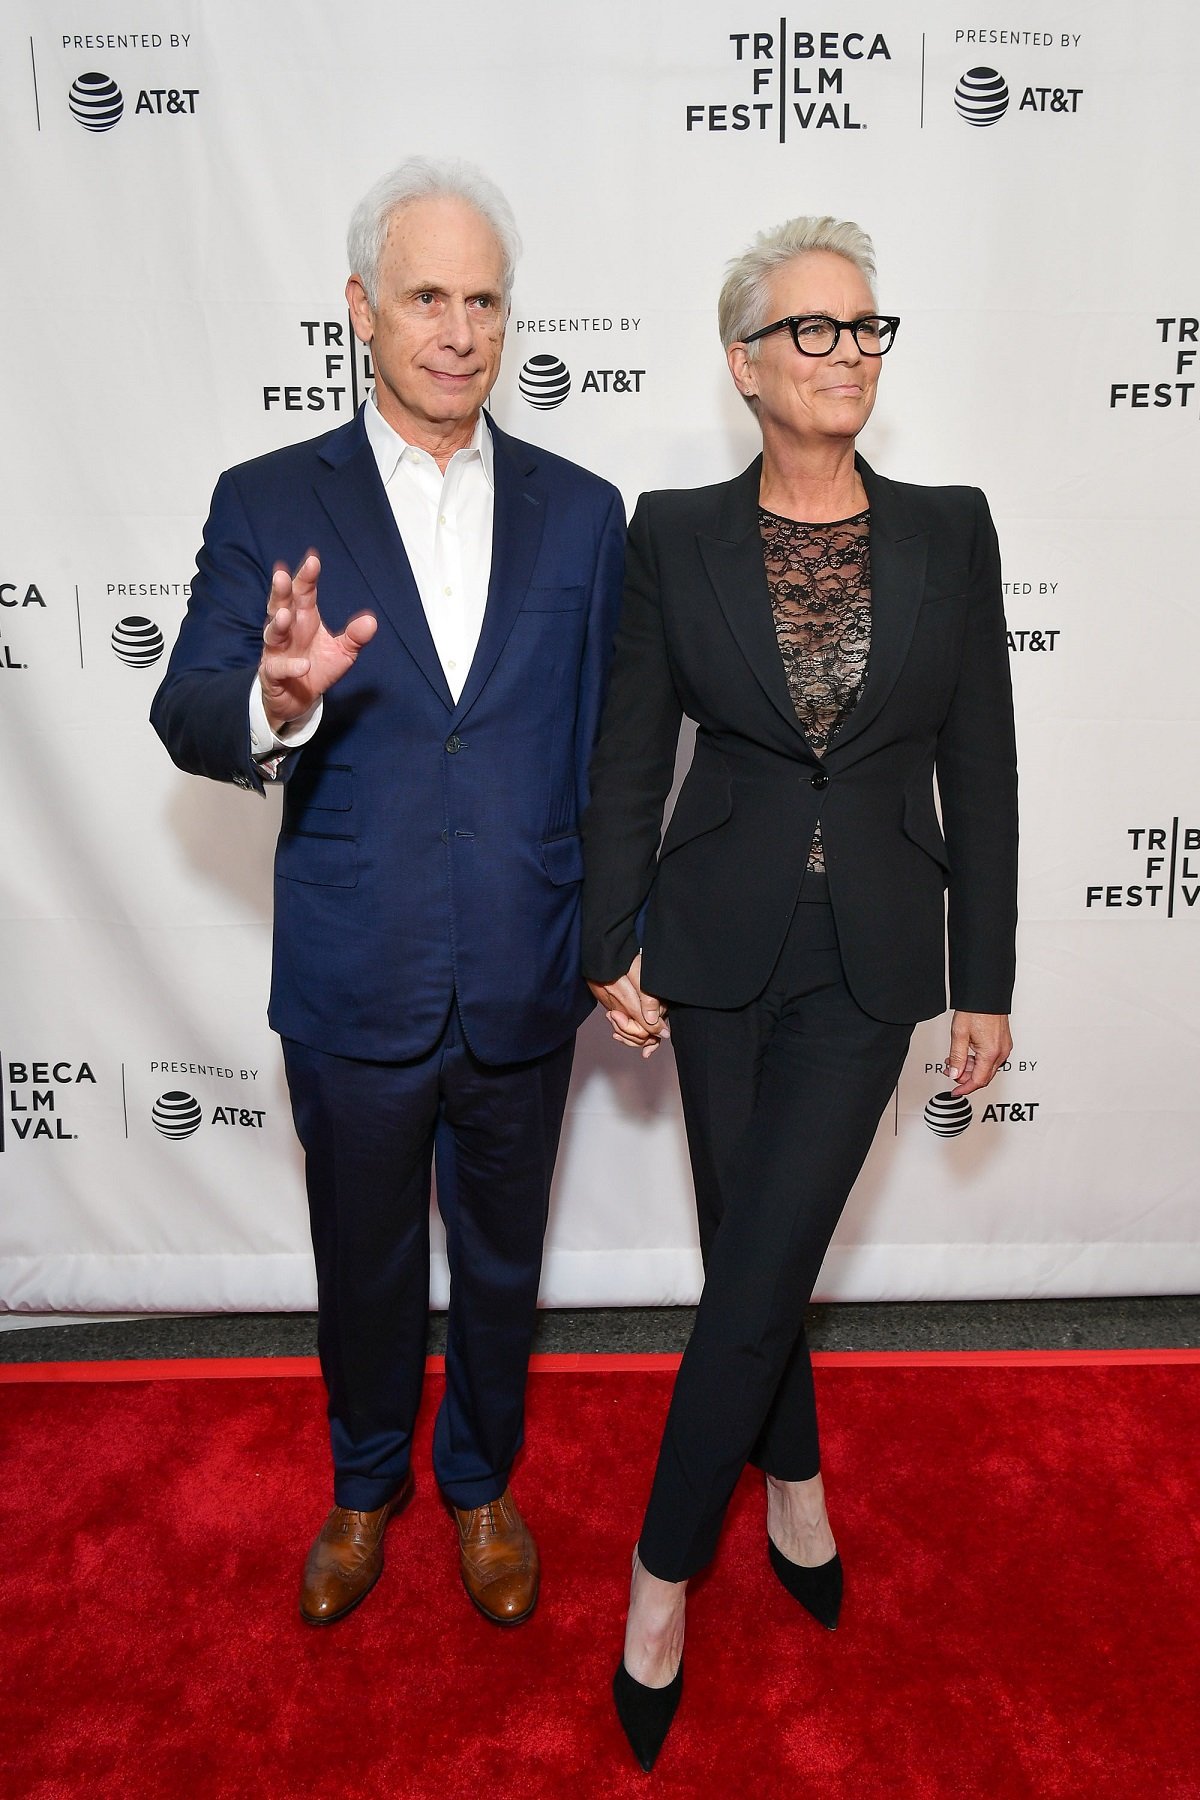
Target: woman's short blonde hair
x,y
742,307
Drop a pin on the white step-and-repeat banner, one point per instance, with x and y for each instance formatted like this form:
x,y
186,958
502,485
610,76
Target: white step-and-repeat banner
x,y
177,182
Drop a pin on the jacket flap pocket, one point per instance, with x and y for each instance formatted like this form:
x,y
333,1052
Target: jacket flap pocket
x,y
323,861
562,859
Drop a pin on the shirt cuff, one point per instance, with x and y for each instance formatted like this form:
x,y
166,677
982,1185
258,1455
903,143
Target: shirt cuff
x,y
267,747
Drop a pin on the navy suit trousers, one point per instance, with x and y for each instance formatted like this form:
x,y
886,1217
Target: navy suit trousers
x,y
372,1132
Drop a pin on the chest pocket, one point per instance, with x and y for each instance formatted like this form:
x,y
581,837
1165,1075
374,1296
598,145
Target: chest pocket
x,y
554,599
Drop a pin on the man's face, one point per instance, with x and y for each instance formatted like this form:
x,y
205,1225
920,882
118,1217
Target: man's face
x,y
437,329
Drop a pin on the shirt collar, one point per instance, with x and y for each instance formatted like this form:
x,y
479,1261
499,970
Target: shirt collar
x,y
390,448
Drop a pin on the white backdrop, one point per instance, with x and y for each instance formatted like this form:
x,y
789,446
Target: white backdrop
x,y
171,303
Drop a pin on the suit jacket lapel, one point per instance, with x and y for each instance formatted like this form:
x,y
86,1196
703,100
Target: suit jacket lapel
x,y
352,494
899,549
733,558
518,523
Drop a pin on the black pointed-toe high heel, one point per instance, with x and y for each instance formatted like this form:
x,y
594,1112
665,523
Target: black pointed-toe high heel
x,y
818,1590
646,1713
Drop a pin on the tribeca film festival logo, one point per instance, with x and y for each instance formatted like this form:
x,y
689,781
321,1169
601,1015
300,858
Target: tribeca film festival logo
x,y
545,381
792,81
339,376
35,1092
1181,334
178,1114
16,596
1167,861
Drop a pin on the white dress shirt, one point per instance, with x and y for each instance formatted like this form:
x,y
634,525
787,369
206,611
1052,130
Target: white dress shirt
x,y
445,522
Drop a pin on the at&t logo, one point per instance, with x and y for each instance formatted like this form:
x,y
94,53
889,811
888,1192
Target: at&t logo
x,y
545,381
137,642
177,1114
97,103
948,1115
982,97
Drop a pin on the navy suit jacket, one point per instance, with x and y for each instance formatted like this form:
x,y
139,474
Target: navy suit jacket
x,y
428,847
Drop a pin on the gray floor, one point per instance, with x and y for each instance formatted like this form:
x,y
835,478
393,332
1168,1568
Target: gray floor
x,y
1170,1322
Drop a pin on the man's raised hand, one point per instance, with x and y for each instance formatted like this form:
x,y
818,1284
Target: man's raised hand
x,y
300,659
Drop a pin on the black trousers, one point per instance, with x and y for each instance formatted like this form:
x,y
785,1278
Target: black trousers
x,y
781,1100
371,1134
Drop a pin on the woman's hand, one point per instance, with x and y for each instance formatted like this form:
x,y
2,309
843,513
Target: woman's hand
x,y
637,1019
979,1043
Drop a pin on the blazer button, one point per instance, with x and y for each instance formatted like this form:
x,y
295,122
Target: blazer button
x,y
453,745
820,779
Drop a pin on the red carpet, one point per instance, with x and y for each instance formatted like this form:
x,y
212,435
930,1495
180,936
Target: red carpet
x,y
1021,1615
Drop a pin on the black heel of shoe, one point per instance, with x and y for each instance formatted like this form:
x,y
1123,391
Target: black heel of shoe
x,y
818,1590
646,1713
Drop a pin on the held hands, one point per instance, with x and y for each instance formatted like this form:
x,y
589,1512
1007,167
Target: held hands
x,y
637,1019
979,1043
300,659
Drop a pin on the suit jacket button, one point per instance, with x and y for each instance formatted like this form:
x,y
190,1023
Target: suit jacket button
x,y
453,745
820,779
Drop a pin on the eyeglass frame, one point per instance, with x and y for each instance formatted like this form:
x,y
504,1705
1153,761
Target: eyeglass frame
x,y
840,325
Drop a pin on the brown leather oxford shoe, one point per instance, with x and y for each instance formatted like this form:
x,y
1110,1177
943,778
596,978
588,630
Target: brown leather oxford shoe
x,y
499,1559
346,1559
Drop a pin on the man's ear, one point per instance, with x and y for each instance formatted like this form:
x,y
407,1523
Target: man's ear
x,y
362,313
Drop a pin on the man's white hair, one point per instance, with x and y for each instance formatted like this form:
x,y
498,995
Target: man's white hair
x,y
423,178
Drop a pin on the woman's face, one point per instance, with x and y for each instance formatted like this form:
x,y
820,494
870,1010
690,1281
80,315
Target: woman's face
x,y
812,398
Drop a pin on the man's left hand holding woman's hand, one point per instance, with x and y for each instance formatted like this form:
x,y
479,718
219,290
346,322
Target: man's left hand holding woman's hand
x,y
637,1019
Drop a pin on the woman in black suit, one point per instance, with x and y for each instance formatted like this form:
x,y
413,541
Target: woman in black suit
x,y
838,638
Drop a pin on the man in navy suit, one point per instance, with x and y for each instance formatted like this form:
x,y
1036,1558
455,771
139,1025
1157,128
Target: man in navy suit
x,y
431,718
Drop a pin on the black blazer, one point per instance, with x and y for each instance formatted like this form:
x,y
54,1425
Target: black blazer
x,y
697,636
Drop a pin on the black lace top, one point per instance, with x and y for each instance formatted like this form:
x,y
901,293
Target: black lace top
x,y
819,577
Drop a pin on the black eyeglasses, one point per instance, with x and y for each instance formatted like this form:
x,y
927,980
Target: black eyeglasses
x,y
816,335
